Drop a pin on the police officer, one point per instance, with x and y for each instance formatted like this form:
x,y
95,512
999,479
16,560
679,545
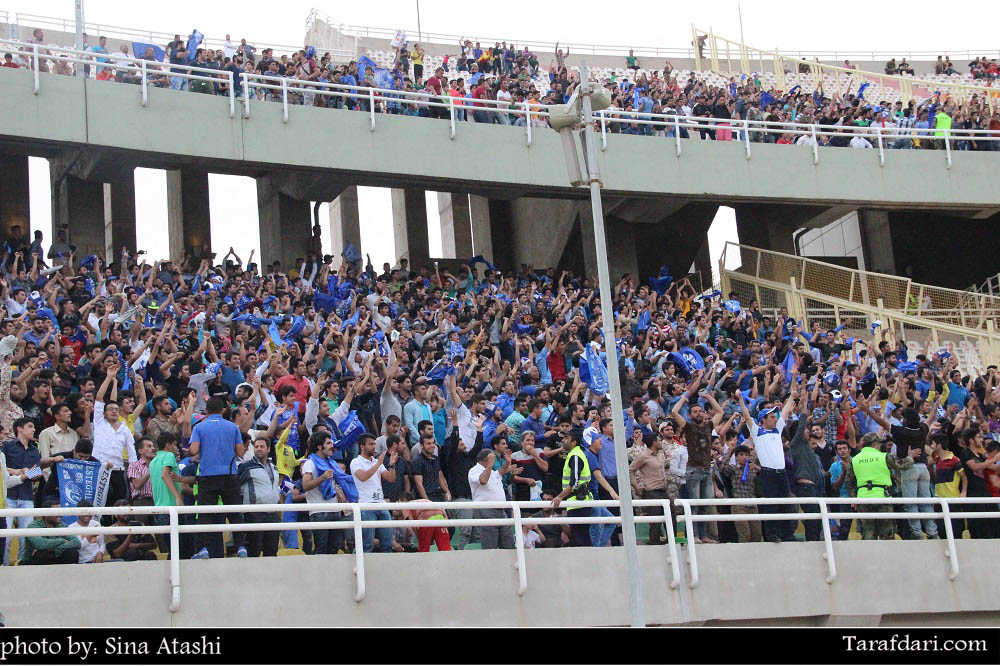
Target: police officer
x,y
576,482
870,475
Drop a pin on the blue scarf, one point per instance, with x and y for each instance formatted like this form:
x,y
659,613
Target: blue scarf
x,y
345,481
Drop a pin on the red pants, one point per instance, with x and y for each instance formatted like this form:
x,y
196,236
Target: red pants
x,y
438,535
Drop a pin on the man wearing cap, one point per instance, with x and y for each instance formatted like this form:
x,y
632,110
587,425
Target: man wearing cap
x,y
870,475
766,438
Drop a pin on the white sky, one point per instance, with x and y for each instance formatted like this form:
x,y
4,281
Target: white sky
x,y
922,27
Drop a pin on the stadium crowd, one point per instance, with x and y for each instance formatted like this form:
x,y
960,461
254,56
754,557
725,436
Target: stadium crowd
x,y
247,383
492,84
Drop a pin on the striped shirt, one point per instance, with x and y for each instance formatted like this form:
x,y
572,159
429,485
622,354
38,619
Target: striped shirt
x,y
137,469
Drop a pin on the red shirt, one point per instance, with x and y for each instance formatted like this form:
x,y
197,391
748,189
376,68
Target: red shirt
x,y
433,85
302,389
12,65
479,92
557,366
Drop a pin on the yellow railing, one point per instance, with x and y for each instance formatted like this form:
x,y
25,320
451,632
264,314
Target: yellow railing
x,y
813,291
964,309
727,56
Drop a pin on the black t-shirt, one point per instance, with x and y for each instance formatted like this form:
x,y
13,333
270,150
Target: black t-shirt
x,y
977,483
906,437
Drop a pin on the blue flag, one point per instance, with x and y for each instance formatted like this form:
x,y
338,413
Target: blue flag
x,y
480,259
351,321
194,41
862,88
787,364
383,77
661,282
139,50
351,430
325,301
439,371
298,324
597,372
82,480
351,253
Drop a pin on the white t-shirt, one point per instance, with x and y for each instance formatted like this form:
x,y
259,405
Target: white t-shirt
x,y
860,142
466,429
531,539
314,496
370,490
88,550
491,492
767,443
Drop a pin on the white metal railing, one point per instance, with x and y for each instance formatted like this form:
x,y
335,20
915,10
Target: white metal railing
x,y
669,125
622,50
825,514
355,523
95,30
516,521
35,54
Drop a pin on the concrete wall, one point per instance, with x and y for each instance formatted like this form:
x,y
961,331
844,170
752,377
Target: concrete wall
x,y
483,159
740,583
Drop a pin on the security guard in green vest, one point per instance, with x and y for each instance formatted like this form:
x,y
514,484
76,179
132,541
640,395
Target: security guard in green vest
x,y
870,475
576,483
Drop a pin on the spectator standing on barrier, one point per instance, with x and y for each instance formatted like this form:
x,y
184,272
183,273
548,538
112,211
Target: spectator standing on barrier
x,y
219,444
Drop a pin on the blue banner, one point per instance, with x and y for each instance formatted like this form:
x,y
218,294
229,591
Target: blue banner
x,y
139,50
597,371
82,480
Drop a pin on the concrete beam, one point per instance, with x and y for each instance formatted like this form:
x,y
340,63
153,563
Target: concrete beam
x,y
456,225
642,210
409,224
119,219
189,220
306,186
284,225
15,209
482,226
345,222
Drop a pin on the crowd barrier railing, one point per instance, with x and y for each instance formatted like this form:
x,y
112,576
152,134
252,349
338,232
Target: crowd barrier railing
x,y
516,521
529,114
724,53
966,309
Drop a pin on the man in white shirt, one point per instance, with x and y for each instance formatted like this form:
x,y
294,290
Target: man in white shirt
x,y
487,486
860,142
111,437
771,455
368,472
228,49
325,542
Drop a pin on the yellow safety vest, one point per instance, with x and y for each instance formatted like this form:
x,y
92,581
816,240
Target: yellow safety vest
x,y
584,478
872,473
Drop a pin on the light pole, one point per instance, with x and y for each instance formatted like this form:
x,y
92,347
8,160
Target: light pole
x,y
565,116
78,44
420,34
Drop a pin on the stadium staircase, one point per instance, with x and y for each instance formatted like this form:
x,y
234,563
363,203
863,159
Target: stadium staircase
x,y
926,317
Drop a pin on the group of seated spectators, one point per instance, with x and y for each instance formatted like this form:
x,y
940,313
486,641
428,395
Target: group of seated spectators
x,y
493,84
330,381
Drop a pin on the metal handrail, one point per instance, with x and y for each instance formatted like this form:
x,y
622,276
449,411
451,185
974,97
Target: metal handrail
x,y
356,523
824,514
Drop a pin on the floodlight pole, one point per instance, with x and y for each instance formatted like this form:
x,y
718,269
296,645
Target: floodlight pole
x,y
80,26
636,608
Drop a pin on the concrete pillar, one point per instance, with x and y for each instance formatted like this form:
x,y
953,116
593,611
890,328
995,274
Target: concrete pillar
x,y
119,218
345,222
189,222
456,225
409,223
876,240
502,234
620,240
482,228
78,208
703,263
14,202
285,225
